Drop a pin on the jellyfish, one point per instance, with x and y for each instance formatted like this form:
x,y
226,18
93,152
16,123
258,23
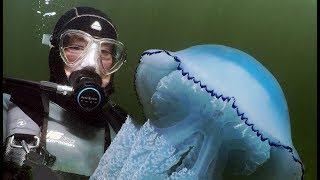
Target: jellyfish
x,y
211,110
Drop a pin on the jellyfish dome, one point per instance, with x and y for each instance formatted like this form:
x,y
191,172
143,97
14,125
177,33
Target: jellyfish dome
x,y
211,110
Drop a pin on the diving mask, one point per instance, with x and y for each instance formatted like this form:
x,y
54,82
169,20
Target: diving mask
x,y
79,49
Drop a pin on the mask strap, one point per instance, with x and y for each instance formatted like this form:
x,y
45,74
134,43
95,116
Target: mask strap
x,y
46,39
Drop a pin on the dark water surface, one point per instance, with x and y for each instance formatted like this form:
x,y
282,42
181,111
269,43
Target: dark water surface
x,y
280,34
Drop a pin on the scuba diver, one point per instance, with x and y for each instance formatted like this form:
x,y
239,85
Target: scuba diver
x,y
62,129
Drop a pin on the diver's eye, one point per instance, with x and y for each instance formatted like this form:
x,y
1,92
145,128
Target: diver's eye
x,y
74,49
74,43
105,52
73,52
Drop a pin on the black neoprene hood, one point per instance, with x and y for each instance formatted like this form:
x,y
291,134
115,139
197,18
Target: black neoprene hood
x,y
83,18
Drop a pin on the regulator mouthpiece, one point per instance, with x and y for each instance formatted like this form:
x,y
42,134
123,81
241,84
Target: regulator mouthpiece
x,y
88,93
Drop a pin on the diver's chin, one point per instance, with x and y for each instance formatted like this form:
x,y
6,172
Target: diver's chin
x,y
105,81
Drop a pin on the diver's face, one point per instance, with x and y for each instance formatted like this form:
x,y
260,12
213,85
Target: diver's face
x,y
84,53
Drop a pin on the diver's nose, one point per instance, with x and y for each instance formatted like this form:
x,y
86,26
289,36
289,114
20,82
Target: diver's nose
x,y
90,59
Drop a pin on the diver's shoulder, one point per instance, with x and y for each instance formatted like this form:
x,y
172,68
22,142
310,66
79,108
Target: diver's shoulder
x,y
6,100
117,110
117,115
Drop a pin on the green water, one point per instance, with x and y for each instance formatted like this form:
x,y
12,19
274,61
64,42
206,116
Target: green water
x,y
280,34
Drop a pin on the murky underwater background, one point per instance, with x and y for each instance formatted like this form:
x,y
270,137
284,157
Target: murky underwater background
x,y
280,34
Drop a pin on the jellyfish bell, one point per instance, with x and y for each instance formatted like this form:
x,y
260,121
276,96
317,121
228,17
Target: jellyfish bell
x,y
225,95
211,110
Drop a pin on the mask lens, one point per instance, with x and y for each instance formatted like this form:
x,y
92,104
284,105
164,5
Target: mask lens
x,y
106,53
73,46
112,56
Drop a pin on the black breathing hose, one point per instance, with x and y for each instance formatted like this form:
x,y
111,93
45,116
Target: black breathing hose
x,y
10,83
